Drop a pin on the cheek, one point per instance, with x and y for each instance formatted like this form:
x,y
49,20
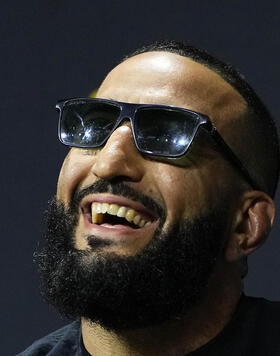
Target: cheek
x,y
187,193
74,169
174,187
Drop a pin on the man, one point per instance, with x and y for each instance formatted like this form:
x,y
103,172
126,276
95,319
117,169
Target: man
x,y
166,190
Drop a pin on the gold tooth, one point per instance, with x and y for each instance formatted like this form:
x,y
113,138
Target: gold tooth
x,y
100,218
104,208
121,212
113,209
136,219
94,215
94,218
130,215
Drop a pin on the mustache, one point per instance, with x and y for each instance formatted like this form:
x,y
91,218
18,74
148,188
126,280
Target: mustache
x,y
117,188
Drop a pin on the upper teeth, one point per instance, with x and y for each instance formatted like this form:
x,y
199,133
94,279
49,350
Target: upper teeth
x,y
98,209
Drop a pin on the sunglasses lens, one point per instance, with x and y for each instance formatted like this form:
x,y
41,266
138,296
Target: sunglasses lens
x,y
166,132
87,124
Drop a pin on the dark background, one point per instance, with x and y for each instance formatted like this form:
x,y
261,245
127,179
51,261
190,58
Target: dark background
x,y
63,48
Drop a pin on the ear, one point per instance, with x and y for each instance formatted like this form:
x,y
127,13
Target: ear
x,y
251,224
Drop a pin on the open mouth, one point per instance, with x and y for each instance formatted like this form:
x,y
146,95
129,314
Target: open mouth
x,y
106,214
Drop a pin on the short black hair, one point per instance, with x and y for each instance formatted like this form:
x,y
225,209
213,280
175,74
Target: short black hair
x,y
257,144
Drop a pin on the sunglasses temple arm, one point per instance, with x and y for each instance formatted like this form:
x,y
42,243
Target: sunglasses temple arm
x,y
235,161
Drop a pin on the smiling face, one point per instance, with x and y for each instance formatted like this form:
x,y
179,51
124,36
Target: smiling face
x,y
133,241
182,192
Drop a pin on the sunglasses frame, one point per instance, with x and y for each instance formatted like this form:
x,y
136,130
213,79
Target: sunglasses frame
x,y
128,112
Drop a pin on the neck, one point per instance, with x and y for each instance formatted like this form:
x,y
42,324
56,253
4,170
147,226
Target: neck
x,y
173,338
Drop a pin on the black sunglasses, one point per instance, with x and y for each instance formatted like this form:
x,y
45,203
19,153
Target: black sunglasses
x,y
158,130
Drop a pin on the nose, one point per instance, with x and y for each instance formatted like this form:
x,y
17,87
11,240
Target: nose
x,y
119,158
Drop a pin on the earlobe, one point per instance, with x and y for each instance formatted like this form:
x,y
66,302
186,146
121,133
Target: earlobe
x,y
251,226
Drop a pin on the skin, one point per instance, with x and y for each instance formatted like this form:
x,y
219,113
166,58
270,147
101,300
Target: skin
x,y
166,78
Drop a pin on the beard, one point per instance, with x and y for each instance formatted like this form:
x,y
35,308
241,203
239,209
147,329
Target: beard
x,y
162,282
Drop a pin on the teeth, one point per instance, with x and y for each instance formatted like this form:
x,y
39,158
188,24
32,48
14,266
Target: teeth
x,y
130,215
100,218
136,219
98,209
113,209
104,208
121,212
97,218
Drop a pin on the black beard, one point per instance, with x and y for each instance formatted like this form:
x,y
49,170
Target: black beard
x,y
163,281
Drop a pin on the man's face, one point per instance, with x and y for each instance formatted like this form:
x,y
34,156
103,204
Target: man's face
x,y
108,270
156,78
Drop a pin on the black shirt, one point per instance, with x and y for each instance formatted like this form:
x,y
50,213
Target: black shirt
x,y
253,331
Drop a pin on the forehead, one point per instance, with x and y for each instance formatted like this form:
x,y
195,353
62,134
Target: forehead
x,y
171,79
